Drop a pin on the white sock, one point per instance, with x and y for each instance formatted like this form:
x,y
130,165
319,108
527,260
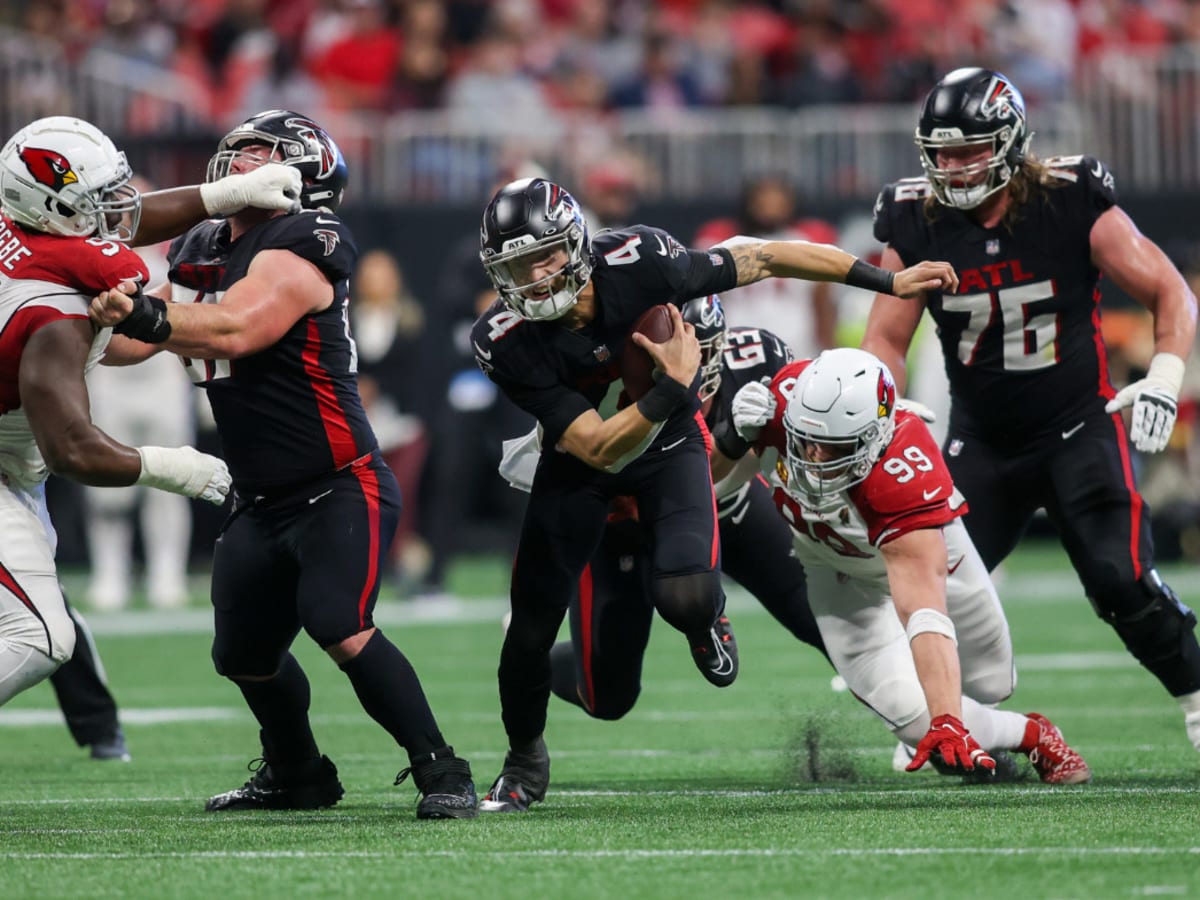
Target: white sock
x,y
994,729
1190,704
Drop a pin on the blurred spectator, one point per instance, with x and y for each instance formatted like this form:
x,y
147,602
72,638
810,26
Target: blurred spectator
x,y
388,325
822,71
610,190
357,69
493,87
662,82
424,63
802,313
150,403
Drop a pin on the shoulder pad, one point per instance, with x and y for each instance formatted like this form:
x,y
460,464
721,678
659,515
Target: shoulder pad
x,y
317,236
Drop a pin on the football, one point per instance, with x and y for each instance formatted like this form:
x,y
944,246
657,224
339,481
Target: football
x,y
637,366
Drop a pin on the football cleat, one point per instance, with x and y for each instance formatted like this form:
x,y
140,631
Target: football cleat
x,y
309,785
112,747
715,653
523,780
447,791
1053,760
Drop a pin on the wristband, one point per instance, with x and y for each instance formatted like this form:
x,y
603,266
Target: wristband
x,y
147,322
930,621
663,399
871,278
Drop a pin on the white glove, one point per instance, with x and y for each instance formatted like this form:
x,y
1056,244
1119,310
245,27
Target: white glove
x,y
184,470
920,410
270,186
753,407
1154,403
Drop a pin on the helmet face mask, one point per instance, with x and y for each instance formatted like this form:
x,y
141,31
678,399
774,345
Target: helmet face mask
x,y
972,108
534,247
287,137
708,318
839,421
64,176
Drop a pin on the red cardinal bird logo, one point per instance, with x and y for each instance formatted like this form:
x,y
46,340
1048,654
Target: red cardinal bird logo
x,y
48,167
886,394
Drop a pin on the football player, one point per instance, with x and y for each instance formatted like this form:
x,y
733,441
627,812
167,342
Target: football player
x,y
611,613
69,211
552,342
1034,420
257,305
906,608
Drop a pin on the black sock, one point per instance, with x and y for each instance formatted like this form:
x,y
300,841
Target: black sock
x,y
281,707
390,692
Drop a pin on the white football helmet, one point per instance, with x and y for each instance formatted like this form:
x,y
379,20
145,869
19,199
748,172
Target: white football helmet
x,y
846,402
64,176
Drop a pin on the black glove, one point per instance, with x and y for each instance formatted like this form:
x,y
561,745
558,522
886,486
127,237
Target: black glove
x,y
148,321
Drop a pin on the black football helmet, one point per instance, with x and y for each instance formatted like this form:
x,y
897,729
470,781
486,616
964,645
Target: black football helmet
x,y
524,223
973,106
301,143
708,318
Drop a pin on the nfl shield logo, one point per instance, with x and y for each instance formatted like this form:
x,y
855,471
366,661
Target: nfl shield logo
x,y
955,447
992,247
601,353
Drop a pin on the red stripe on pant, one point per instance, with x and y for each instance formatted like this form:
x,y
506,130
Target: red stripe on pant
x,y
370,488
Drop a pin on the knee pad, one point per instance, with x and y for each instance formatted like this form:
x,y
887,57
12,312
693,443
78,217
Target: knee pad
x,y
689,603
242,661
21,667
1160,626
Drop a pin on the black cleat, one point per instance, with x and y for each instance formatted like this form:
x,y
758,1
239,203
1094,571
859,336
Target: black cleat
x,y
112,747
447,791
309,785
523,780
715,653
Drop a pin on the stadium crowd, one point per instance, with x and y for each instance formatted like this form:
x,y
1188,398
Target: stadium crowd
x,y
545,56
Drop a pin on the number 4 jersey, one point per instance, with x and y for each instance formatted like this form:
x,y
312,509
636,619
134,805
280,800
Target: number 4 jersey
x,y
1021,338
908,488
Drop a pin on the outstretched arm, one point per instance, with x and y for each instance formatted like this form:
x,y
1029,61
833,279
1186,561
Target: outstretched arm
x,y
168,213
756,260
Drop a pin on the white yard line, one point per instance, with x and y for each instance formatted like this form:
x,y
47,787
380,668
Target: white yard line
x,y
474,853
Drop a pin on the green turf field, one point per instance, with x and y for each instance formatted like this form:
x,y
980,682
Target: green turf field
x,y
774,787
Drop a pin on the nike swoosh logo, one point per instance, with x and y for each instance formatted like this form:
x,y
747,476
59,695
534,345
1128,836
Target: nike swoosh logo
x,y
321,221
312,500
673,445
483,354
1099,170
951,570
1067,434
662,248
929,495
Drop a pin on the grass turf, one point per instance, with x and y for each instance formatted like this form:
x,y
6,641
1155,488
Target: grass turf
x,y
774,787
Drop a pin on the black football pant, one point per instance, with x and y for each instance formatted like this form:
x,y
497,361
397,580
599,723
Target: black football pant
x,y
1083,477
564,524
610,616
82,689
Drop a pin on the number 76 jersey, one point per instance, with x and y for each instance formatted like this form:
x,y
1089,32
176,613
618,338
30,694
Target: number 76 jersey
x,y
909,488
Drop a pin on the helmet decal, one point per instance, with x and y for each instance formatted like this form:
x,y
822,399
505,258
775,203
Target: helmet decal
x,y
886,390
309,130
48,167
998,100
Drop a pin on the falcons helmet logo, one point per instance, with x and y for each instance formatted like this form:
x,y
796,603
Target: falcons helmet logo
x,y
309,131
48,167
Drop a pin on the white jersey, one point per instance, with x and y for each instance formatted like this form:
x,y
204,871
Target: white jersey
x,y
24,306
45,278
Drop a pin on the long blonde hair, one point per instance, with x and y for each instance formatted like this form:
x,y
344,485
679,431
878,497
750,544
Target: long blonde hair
x,y
1029,183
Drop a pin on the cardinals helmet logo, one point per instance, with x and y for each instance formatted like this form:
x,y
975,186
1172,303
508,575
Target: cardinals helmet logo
x,y
886,393
48,167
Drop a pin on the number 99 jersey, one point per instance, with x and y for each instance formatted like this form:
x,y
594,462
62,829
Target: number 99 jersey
x,y
1021,338
908,488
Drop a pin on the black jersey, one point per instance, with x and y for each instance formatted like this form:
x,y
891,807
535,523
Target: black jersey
x,y
291,412
751,354
556,374
1021,338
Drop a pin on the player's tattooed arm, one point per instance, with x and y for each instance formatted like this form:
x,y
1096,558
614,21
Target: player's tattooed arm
x,y
750,261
